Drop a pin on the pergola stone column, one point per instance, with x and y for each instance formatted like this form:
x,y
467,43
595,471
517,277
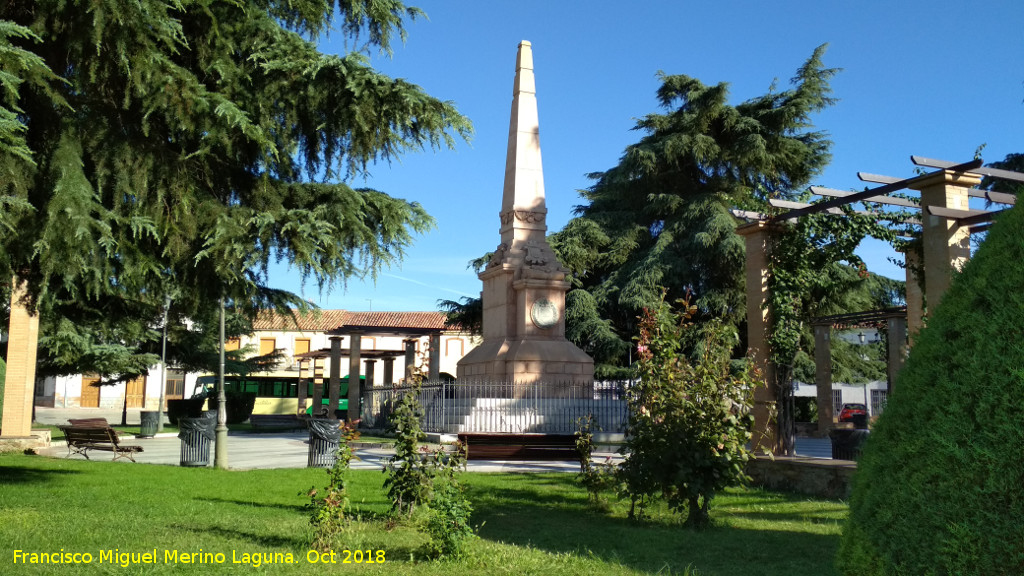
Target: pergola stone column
x,y
354,364
823,376
19,385
368,392
389,370
410,358
318,386
756,237
434,373
946,246
335,386
302,390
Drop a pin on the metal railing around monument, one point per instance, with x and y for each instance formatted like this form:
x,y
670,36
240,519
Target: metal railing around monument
x,y
489,406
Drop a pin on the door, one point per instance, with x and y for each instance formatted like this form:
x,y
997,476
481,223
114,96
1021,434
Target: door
x,y
90,397
136,392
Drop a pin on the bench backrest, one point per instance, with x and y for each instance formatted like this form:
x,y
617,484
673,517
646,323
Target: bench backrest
x,y
89,434
89,422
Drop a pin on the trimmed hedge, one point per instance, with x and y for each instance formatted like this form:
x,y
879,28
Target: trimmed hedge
x,y
940,486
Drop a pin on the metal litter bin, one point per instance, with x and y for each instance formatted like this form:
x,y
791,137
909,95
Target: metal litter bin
x,y
196,435
847,444
324,437
150,424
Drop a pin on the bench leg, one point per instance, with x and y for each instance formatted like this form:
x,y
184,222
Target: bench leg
x,y
72,450
123,454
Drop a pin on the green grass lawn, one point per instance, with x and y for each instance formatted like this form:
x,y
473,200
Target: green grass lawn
x,y
529,524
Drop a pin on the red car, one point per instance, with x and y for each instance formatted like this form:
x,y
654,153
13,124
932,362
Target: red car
x,y
853,412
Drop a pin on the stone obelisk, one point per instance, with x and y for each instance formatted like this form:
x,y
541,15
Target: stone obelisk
x,y
524,283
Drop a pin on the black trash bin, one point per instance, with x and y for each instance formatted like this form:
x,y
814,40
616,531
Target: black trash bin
x,y
196,435
846,444
150,422
324,437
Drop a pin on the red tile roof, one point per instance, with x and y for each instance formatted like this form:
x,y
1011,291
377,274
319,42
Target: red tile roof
x,y
327,320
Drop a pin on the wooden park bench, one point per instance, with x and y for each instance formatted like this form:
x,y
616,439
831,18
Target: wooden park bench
x,y
501,446
81,439
276,422
89,422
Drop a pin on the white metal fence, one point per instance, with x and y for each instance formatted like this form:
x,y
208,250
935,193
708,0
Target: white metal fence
x,y
550,407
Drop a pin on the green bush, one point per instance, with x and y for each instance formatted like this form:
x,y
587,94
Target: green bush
x,y
938,487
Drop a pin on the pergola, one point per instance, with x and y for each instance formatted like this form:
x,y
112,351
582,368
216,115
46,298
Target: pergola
x,y
946,222
356,354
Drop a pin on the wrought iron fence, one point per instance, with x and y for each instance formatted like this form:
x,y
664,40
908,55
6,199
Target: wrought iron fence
x,y
478,406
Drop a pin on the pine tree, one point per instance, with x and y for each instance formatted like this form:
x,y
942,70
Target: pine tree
x,y
661,218
154,145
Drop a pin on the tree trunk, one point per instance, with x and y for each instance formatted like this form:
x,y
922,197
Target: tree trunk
x,y
699,516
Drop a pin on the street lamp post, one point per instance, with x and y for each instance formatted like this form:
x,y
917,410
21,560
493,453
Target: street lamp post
x,y
220,455
163,369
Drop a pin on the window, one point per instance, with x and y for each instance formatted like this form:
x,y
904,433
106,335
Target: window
x,y
455,346
175,384
837,402
301,345
232,344
878,400
267,346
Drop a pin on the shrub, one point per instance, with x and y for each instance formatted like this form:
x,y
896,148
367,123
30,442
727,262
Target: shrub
x,y
448,521
689,422
329,510
596,478
938,487
409,472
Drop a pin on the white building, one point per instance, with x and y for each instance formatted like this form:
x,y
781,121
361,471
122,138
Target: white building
x,y
388,340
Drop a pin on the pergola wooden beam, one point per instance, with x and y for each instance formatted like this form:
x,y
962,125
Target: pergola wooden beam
x,y
778,203
991,196
984,171
831,192
971,166
964,217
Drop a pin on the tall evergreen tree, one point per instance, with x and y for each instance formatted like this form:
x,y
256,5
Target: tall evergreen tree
x,y
661,217
184,145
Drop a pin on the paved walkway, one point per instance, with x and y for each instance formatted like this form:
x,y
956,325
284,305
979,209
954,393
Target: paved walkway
x,y
291,449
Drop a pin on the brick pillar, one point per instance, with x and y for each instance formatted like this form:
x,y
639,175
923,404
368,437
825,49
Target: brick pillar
x,y
897,352
755,235
915,297
823,376
946,246
19,386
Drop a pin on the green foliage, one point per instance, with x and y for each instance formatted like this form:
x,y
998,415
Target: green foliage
x,y
662,217
467,314
329,515
184,146
599,478
690,422
941,469
409,472
813,271
448,522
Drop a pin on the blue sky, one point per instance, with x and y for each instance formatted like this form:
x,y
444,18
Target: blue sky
x,y
936,79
